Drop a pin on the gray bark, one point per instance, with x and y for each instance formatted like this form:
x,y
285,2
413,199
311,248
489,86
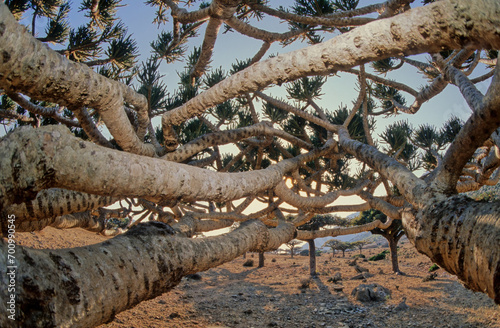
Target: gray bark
x,y
463,237
87,286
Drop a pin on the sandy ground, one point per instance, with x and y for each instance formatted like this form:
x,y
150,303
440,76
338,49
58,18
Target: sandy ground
x,y
281,294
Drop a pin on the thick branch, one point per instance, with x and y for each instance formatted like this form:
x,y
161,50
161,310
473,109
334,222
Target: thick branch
x,y
30,67
154,264
425,29
463,237
479,127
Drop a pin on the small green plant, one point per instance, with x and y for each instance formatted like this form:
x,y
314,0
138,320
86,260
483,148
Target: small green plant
x,y
433,267
379,256
359,256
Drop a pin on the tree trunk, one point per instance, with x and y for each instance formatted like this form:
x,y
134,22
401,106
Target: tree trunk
x,y
291,252
393,246
343,253
87,286
261,260
312,257
462,236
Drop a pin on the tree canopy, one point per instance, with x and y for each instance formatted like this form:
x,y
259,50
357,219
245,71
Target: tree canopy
x,y
90,123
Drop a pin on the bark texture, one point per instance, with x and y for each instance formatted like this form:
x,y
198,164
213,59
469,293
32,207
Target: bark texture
x,y
79,283
463,237
36,159
30,67
444,24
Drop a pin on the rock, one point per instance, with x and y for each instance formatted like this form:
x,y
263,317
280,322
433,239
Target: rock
x,y
352,263
430,277
402,306
371,293
193,276
358,277
336,277
360,269
338,288
248,311
174,315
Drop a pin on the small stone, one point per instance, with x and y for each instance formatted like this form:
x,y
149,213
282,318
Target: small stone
x,y
174,315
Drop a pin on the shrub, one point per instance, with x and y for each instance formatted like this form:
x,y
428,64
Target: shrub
x,y
433,267
273,260
379,256
248,263
359,256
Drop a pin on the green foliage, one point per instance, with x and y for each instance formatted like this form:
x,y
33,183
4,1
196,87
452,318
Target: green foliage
x,y
368,216
213,77
434,267
274,114
313,8
426,136
321,220
383,66
306,88
165,48
360,256
57,30
379,256
389,96
105,14
450,129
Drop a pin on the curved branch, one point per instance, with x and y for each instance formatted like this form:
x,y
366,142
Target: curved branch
x,y
90,129
42,74
185,17
344,19
296,200
256,33
342,231
207,47
409,185
473,229
479,127
284,106
73,164
224,137
43,111
408,33
156,263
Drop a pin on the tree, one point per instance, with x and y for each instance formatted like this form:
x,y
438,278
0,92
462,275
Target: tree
x,y
392,233
339,245
332,244
59,167
291,245
315,224
360,244
261,260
